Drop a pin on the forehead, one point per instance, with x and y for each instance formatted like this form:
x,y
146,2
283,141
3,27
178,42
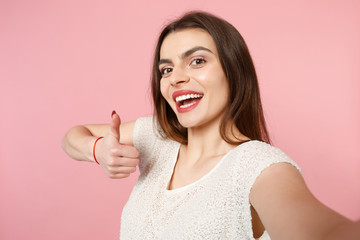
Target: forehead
x,y
180,41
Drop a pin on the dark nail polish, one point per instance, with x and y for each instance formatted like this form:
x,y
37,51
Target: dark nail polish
x,y
112,114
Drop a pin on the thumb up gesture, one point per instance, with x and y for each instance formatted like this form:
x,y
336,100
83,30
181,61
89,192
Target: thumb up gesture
x,y
117,160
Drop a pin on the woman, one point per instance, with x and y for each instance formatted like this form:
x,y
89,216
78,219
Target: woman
x,y
207,169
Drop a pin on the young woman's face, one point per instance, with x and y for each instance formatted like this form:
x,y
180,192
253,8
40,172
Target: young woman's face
x,y
193,81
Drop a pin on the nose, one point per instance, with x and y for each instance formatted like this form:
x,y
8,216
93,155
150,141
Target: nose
x,y
178,77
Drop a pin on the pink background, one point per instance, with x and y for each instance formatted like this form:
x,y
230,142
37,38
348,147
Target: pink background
x,y
69,62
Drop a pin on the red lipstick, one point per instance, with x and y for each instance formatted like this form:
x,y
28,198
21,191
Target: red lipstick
x,y
187,100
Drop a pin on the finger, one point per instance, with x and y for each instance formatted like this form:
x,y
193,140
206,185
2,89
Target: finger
x,y
125,151
122,169
123,161
115,126
119,175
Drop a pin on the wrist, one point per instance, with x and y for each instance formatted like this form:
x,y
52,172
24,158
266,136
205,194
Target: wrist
x,y
89,143
94,149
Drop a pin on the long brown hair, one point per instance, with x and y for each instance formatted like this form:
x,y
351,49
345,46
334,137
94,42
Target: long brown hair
x,y
245,109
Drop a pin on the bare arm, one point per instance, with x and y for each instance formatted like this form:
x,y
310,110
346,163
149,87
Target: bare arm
x,y
78,142
115,152
288,210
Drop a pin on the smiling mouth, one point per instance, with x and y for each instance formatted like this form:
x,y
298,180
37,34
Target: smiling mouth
x,y
187,100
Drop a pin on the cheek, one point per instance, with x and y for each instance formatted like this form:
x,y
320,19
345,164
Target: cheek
x,y
217,81
221,85
226,90
164,86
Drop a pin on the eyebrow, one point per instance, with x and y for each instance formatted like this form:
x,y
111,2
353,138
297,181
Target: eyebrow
x,y
186,54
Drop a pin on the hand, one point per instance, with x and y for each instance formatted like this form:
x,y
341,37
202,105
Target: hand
x,y
117,160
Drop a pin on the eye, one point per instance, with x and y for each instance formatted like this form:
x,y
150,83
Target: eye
x,y
197,61
165,70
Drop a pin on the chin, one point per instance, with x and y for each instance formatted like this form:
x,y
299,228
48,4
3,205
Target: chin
x,y
187,122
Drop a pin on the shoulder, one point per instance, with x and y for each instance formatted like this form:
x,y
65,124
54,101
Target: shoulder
x,y
262,155
147,134
253,158
143,122
151,144
144,132
269,169
261,149
145,127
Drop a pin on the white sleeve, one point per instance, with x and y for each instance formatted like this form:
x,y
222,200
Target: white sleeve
x,y
145,138
256,157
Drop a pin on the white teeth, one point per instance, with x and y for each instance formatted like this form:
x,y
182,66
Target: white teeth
x,y
187,105
187,96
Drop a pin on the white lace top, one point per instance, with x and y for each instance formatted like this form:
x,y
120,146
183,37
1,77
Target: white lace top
x,y
214,207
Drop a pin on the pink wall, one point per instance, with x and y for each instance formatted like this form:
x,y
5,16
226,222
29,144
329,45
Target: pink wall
x,y
72,62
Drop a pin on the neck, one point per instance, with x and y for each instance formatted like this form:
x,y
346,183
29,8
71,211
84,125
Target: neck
x,y
205,141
